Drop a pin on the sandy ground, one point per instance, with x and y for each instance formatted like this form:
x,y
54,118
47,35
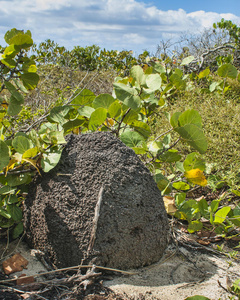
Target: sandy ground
x,y
181,273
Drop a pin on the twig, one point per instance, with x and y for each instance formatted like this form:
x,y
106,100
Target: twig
x,y
95,221
72,268
3,258
162,134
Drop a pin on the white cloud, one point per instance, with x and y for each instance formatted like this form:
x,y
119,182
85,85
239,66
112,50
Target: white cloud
x,y
113,24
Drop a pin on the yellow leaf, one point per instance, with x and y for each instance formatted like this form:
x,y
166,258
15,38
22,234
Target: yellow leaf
x,y
169,204
11,164
32,162
196,176
109,122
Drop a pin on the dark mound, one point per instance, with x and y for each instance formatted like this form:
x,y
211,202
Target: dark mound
x,y
100,204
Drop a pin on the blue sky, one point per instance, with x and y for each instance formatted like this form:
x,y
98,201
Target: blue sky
x,y
218,6
113,24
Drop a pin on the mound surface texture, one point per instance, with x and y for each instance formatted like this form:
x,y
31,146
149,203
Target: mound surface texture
x,y
99,205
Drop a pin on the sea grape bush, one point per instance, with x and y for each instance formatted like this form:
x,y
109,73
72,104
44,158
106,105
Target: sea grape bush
x,y
128,113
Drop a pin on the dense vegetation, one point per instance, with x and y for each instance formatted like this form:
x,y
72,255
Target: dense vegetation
x,y
156,106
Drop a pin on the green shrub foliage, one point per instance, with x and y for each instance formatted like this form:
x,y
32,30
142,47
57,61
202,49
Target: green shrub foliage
x,y
144,88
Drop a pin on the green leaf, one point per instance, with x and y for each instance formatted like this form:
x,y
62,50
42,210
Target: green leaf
x,y
30,80
103,100
5,214
71,125
14,107
155,146
14,92
190,129
236,192
204,73
4,157
131,139
214,205
159,68
139,150
203,207
228,70
192,161
30,153
10,34
154,82
142,128
15,212
17,230
178,82
194,136
194,226
221,214
5,190
50,159
15,180
9,62
12,199
21,39
127,95
83,97
21,144
57,114
138,75
86,111
190,116
97,118
213,86
170,156
174,119
187,60
115,109
130,117
180,185
162,183
180,198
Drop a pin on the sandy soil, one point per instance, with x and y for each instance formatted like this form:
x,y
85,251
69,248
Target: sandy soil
x,y
182,272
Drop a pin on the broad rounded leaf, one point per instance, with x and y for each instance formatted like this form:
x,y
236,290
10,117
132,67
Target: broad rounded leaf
x,y
170,156
221,214
21,144
97,118
127,95
204,73
228,70
180,185
142,128
15,212
17,230
187,60
83,97
154,82
196,176
30,80
194,226
115,109
194,136
57,114
86,111
4,157
14,107
190,116
138,75
192,161
131,139
103,100
14,92
50,159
